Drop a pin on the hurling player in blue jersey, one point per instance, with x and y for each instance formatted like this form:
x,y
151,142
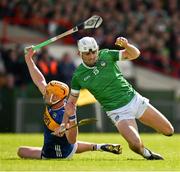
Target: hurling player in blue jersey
x,y
54,94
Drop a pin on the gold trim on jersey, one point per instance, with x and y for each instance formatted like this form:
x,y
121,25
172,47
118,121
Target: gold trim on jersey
x,y
49,121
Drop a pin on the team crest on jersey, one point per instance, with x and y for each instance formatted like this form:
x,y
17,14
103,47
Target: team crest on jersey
x,y
103,63
54,115
86,78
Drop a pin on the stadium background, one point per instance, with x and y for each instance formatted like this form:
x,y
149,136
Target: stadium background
x,y
152,25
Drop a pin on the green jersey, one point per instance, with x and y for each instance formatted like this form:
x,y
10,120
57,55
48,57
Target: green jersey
x,y
104,80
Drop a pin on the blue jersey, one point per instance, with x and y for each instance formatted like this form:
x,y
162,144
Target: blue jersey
x,y
54,147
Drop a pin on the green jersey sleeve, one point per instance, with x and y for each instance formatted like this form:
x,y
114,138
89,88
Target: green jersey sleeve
x,y
114,55
75,84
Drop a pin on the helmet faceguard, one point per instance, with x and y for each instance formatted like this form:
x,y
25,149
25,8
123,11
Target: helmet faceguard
x,y
87,44
55,92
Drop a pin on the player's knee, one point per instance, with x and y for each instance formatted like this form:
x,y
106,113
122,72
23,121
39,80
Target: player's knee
x,y
19,152
169,131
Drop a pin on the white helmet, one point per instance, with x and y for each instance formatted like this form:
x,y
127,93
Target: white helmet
x,y
86,44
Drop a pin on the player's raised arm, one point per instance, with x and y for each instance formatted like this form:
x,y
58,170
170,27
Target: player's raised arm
x,y
130,52
35,73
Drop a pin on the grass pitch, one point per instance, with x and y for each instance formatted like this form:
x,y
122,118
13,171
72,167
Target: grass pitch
x,y
168,147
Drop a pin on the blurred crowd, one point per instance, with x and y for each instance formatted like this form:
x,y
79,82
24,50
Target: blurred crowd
x,y
152,25
14,71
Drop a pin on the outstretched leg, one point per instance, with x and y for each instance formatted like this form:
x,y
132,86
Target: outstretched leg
x,y
128,129
29,152
86,146
153,118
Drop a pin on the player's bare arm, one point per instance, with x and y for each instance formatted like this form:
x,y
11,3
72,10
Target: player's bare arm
x,y
70,111
35,73
70,107
69,115
130,52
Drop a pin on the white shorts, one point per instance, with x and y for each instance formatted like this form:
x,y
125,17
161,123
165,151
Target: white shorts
x,y
134,109
73,151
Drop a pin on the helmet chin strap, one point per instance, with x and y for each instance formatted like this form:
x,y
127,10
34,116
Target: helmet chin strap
x,y
50,100
56,102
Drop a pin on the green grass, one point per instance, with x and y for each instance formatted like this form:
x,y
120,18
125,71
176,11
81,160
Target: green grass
x,y
169,147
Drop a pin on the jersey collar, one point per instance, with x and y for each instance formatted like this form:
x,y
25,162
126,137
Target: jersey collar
x,y
88,67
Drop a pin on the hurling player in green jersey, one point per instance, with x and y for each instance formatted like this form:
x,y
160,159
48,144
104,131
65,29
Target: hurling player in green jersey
x,y
100,74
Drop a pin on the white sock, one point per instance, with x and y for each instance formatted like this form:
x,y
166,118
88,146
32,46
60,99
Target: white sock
x,y
98,146
146,153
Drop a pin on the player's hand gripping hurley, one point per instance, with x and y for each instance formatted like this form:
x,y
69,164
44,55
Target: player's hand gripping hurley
x,y
80,123
83,122
91,23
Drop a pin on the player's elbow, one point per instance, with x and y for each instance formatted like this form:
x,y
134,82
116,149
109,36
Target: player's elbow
x,y
134,55
72,137
21,152
137,54
72,140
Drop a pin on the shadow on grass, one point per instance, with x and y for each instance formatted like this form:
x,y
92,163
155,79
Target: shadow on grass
x,y
134,159
18,159
79,159
110,159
